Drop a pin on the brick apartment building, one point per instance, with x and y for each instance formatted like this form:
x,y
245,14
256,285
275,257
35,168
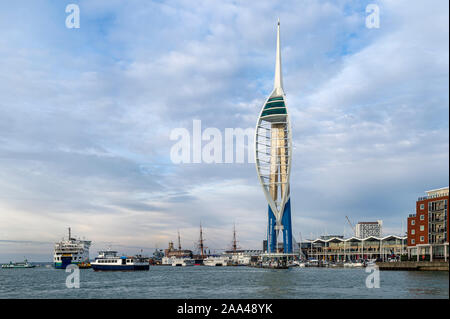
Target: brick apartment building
x,y
428,227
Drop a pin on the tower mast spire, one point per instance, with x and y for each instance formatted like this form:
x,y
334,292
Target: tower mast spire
x,y
278,82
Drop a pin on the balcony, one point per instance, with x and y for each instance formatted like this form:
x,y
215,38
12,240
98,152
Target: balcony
x,y
438,231
437,220
432,196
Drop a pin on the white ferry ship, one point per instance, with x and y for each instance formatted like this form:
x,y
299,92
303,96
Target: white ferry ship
x,y
108,260
240,259
168,261
216,261
183,262
71,251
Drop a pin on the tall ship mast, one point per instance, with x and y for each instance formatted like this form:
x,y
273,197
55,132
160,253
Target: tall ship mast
x,y
201,245
71,251
234,246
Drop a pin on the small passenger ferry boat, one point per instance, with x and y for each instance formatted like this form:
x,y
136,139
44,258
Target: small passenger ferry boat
x,y
108,260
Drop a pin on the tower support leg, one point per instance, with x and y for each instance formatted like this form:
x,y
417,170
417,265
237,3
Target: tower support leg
x,y
271,233
287,228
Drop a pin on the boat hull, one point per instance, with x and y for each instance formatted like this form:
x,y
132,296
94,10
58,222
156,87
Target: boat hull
x,y
64,264
119,267
66,261
181,264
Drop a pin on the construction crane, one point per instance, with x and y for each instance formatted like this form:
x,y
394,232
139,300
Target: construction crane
x,y
351,225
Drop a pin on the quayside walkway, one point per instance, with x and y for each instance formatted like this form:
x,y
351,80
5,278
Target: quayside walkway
x,y
413,265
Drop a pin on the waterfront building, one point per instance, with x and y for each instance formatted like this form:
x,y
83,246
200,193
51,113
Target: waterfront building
x,y
325,237
273,153
428,227
366,229
178,253
338,249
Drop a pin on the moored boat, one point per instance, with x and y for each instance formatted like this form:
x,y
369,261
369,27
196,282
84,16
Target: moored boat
x,y
312,263
299,263
167,261
239,259
183,262
216,261
354,264
85,265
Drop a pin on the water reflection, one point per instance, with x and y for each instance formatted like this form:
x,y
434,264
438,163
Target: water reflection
x,y
224,283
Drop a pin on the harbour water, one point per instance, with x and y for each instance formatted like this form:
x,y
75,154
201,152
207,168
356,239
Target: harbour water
x,y
223,283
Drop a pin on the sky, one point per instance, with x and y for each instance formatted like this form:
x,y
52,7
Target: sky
x,y
86,116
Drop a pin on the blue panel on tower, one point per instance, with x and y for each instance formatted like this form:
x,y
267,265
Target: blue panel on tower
x,y
287,228
271,233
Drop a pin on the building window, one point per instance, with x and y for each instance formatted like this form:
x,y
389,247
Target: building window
x,y
422,217
413,222
422,238
422,206
422,227
413,231
413,241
